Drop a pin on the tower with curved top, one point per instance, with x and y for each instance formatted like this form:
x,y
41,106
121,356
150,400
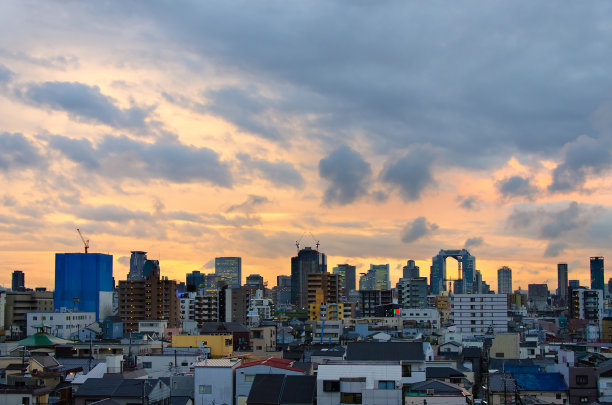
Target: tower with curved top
x,y
467,266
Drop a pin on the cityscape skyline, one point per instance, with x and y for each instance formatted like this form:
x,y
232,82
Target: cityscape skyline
x,y
442,128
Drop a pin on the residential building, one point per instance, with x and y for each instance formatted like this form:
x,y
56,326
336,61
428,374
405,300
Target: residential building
x,y
412,293
263,339
221,345
347,278
422,317
307,261
325,284
260,308
537,294
84,282
586,304
18,281
506,346
436,392
19,303
153,328
604,384
241,336
245,374
504,280
474,314
582,384
153,298
229,270
597,273
280,389
60,324
112,327
562,282
328,312
122,391
326,332
544,388
214,381
370,299
410,270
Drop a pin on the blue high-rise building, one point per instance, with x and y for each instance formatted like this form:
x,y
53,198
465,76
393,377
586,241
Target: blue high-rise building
x,y
467,264
597,273
84,281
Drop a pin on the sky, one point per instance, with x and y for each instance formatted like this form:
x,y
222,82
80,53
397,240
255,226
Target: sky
x,y
385,131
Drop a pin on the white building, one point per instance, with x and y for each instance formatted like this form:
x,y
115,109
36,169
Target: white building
x,y
475,314
351,382
326,331
154,328
60,324
425,317
187,304
214,381
260,308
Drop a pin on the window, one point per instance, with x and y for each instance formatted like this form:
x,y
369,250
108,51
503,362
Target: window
x,y
184,364
406,370
249,377
498,355
205,389
146,364
558,396
25,400
582,379
386,385
350,398
584,400
228,342
331,386
34,318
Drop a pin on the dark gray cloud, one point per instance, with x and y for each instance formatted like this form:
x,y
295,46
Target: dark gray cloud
x,y
5,74
411,174
417,229
209,265
348,174
473,242
17,152
279,172
470,202
555,249
516,186
123,157
109,213
84,103
124,260
8,200
249,205
582,157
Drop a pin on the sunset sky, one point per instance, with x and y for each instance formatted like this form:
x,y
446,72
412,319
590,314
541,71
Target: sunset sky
x,y
389,130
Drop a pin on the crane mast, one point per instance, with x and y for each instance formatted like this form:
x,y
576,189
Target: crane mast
x,y
85,242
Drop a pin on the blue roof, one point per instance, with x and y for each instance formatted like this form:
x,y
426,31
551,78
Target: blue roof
x,y
520,369
540,382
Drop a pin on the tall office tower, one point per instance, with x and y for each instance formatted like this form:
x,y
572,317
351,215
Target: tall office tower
x,y
597,273
610,286
504,280
477,288
323,288
211,282
137,261
229,269
381,272
153,298
18,281
283,291
412,292
84,281
195,280
367,281
306,262
466,265
410,270
562,282
347,278
573,283
538,296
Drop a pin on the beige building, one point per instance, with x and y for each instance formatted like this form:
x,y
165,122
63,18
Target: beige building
x,y
506,346
19,303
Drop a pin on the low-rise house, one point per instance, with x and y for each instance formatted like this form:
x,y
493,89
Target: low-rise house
x,y
604,383
450,347
582,385
359,382
241,335
123,391
214,381
547,388
112,327
10,394
245,374
436,392
447,374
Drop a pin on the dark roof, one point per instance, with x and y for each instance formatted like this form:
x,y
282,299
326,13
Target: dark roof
x,y
437,386
116,387
106,401
527,382
452,342
17,366
511,364
220,327
266,388
327,353
442,372
471,352
384,351
529,343
299,389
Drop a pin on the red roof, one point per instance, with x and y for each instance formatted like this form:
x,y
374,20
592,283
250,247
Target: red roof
x,y
273,362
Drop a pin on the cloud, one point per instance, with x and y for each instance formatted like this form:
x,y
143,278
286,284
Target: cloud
x,y
123,157
209,265
473,242
84,103
417,229
516,186
17,152
470,202
348,174
8,200
124,260
411,174
249,205
582,157
5,74
555,249
280,173
109,213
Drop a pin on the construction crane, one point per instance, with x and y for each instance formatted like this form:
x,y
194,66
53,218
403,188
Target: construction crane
x,y
85,242
297,242
451,280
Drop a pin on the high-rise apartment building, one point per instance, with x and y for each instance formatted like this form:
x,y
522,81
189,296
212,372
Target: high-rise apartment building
x,y
370,299
306,262
84,281
586,304
537,295
477,314
137,261
504,280
153,298
229,269
597,273
19,303
18,281
562,282
410,270
347,278
323,287
412,292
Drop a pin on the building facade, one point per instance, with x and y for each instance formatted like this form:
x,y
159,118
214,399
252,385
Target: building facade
x,y
18,281
306,262
597,273
61,324
412,293
229,270
477,314
347,278
504,280
411,270
562,282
